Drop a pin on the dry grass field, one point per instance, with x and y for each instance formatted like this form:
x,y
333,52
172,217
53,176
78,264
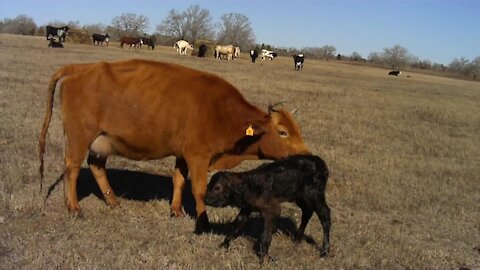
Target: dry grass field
x,y
404,156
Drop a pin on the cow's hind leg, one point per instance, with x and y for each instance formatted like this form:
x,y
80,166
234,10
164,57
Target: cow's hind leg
x,y
97,163
70,177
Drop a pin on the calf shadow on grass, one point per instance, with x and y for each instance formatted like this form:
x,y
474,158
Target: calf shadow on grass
x,y
140,186
131,185
254,226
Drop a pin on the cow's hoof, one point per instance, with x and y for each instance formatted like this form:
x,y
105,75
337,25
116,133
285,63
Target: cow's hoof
x,y
74,210
177,213
76,214
202,225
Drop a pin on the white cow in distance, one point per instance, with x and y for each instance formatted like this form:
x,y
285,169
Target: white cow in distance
x,y
182,46
268,54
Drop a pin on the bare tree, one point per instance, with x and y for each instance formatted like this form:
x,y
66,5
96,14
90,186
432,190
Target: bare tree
x,y
130,24
97,28
235,29
476,67
459,66
191,24
395,57
375,57
199,23
328,51
356,56
174,25
22,24
72,24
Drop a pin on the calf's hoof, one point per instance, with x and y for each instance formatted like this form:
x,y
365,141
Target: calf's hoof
x,y
323,253
202,225
298,238
270,258
224,245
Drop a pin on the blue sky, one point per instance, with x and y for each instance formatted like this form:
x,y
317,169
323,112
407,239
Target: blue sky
x,y
435,30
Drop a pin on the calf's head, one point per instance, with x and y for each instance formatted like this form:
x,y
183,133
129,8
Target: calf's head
x,y
221,189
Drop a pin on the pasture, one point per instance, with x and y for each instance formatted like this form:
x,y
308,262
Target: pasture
x,y
403,152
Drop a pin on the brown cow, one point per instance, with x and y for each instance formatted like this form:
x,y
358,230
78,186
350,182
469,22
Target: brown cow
x,y
131,41
145,110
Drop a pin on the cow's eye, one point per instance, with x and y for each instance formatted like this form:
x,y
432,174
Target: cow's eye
x,y
217,188
283,133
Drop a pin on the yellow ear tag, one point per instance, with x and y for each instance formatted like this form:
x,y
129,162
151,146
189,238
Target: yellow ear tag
x,y
249,131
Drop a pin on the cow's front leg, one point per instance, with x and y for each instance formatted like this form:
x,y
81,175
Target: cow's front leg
x,y
180,173
198,168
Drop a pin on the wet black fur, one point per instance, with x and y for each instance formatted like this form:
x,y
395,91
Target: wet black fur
x,y
301,179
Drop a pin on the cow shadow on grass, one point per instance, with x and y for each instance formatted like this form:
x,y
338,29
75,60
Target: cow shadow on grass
x,y
132,185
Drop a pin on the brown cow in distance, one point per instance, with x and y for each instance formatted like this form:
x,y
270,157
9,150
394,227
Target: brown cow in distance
x,y
145,110
131,41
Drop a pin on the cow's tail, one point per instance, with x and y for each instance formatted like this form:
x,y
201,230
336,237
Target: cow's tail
x,y
48,115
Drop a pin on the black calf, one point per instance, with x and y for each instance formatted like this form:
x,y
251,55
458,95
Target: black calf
x,y
301,179
395,72
55,44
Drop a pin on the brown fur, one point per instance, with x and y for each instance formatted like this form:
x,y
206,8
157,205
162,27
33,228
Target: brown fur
x,y
130,41
147,110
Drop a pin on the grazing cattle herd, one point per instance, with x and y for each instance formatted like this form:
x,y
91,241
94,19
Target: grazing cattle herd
x,y
57,35
145,110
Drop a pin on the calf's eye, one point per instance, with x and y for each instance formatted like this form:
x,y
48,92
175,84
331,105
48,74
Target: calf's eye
x,y
217,188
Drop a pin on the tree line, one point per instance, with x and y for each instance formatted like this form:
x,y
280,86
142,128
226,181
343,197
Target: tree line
x,y
196,23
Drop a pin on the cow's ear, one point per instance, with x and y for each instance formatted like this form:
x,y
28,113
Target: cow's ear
x,y
255,128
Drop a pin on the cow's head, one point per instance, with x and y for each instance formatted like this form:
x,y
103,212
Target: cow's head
x,y
279,135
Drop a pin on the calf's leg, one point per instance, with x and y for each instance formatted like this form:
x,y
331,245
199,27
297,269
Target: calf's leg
x,y
270,215
239,222
323,213
307,213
